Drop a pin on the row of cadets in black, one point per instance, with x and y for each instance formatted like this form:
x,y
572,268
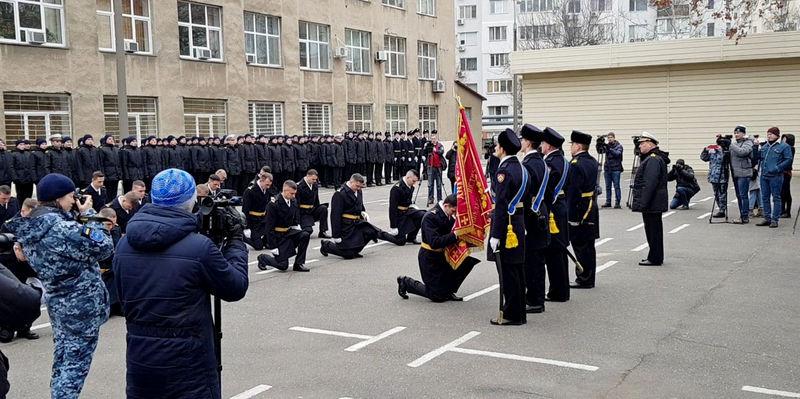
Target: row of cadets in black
x,y
537,232
556,251
283,232
440,282
311,210
254,206
510,248
584,227
333,161
403,214
350,230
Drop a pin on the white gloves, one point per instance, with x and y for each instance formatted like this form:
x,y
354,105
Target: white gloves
x,y
295,227
336,240
423,159
365,215
416,159
393,231
493,244
413,206
246,233
275,252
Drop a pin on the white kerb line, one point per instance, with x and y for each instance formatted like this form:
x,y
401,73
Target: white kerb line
x,y
252,392
603,241
706,199
481,292
679,228
441,350
39,326
638,226
668,214
639,248
606,265
529,359
376,244
330,332
374,339
785,394
705,215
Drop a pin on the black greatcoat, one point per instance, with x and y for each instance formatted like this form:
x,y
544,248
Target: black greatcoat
x,y
311,210
348,224
537,232
279,232
556,255
402,217
584,219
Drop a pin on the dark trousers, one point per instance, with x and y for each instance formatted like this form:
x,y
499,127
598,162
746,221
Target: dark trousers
x,y
405,235
378,172
232,182
4,385
370,171
258,228
337,180
438,286
682,197
244,180
654,230
387,173
534,276
786,195
557,271
334,249
24,191
309,217
300,241
583,245
513,283
398,164
112,188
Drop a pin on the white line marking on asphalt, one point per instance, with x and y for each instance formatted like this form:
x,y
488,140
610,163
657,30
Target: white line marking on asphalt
x,y
706,199
441,350
40,326
640,247
679,228
330,332
252,392
275,270
606,265
785,394
668,214
705,215
692,204
375,245
316,248
374,339
638,226
526,359
43,308
481,292
734,201
603,241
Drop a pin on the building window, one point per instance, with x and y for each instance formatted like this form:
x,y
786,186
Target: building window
x,y
426,56
262,39
265,117
497,33
468,64
601,5
468,38
428,115
359,117
33,116
638,33
473,86
316,118
498,110
498,60
468,111
135,22
396,46
426,7
497,6
535,5
638,5
536,32
396,118
32,21
498,86
142,116
204,117
200,31
359,44
467,12
573,6
315,45
395,3
710,4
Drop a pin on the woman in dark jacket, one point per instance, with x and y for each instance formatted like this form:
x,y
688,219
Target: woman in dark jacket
x,y
786,189
650,196
452,157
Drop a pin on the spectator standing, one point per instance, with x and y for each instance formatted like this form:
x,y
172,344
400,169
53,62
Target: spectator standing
x,y
742,169
435,163
786,190
613,169
776,158
718,171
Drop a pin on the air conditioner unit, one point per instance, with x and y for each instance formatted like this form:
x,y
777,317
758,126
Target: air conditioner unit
x,y
460,21
341,52
438,86
131,46
32,36
202,53
251,58
382,56
461,74
462,48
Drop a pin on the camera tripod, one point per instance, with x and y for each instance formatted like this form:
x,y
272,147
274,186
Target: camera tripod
x,y
601,158
634,167
726,166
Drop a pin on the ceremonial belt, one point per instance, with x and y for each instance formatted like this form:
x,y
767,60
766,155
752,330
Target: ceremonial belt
x,y
254,213
281,229
306,206
428,247
351,216
537,202
518,197
402,208
561,182
589,195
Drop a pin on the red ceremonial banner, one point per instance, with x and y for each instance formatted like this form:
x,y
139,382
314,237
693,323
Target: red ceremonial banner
x,y
474,202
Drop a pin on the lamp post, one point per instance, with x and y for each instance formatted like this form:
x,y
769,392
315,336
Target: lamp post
x,y
122,90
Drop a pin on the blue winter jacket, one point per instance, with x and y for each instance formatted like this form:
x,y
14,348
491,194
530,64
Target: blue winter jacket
x,y
614,157
776,158
165,275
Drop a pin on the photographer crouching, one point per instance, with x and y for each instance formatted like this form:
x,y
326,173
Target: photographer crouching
x,y
165,274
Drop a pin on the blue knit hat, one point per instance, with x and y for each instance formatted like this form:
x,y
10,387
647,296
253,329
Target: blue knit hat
x,y
172,187
54,186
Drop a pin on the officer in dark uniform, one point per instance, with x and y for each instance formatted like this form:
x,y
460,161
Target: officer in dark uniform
x,y
556,252
289,164
151,159
507,237
380,158
277,158
339,160
311,211
404,217
410,152
350,225
202,159
388,158
312,149
39,160
254,206
58,159
399,159
131,162
88,159
284,236
537,233
300,158
22,170
361,155
262,152
233,163
439,281
371,159
109,164
584,220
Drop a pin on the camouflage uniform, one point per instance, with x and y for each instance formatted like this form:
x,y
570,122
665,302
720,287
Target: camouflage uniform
x,y
65,254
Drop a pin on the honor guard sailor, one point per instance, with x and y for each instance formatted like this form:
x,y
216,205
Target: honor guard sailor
x,y
556,252
284,236
584,219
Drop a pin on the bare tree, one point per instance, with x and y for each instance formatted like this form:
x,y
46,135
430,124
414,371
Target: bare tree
x,y
568,23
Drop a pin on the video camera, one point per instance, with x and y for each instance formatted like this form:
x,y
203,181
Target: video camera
x,y
7,241
488,147
724,141
220,220
601,144
636,145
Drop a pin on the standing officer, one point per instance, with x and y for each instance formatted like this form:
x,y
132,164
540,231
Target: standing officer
x,y
109,165
22,170
284,235
399,158
404,217
439,281
388,158
349,221
254,207
584,220
507,237
650,195
537,233
556,252
311,210
88,159
131,162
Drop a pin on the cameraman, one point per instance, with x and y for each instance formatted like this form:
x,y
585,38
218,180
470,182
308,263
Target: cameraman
x,y
613,168
718,158
742,169
165,274
686,184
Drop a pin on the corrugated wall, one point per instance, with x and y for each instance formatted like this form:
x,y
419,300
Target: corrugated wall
x,y
684,105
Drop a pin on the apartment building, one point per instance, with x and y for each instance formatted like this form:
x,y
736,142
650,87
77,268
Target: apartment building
x,y
223,66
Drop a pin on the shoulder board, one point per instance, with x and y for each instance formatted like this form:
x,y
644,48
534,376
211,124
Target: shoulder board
x,y
397,184
574,161
274,199
652,155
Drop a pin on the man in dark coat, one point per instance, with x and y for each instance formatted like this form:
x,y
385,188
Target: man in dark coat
x,y
72,158
110,165
39,160
339,160
249,160
254,206
409,154
262,153
233,163
164,268
556,252
537,233
439,281
22,170
584,219
350,225
505,248
289,160
131,163
151,157
5,165
311,211
98,191
399,158
88,160
300,158
685,184
284,236
361,155
58,159
388,158
650,195
405,218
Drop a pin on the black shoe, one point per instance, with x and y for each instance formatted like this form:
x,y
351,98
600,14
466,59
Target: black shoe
x,y
684,207
786,215
606,205
764,223
773,225
6,336
719,215
534,309
27,334
617,206
413,241
547,298
401,288
580,286
455,298
322,248
506,322
300,268
646,262
265,260
323,234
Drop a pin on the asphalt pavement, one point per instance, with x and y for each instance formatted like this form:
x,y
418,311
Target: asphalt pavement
x,y
720,319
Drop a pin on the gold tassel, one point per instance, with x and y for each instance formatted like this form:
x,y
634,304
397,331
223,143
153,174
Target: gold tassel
x,y
553,226
511,236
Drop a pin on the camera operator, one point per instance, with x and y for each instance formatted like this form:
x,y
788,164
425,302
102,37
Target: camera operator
x,y
742,169
686,184
19,307
718,158
612,167
165,274
65,255
434,164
